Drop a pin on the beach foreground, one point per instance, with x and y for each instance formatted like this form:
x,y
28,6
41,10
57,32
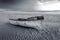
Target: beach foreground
x,y
49,31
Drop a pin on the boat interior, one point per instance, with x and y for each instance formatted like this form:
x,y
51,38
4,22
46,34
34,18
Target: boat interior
x,y
29,19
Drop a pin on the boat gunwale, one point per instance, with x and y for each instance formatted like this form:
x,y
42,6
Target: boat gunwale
x,y
24,20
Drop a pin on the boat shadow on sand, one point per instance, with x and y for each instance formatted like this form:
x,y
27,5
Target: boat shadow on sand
x,y
23,27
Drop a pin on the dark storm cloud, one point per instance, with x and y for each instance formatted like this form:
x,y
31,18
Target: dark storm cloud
x,y
17,4
8,3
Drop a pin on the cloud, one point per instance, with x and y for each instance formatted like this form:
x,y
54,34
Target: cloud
x,y
24,5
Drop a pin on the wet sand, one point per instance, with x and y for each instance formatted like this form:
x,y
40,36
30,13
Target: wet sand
x,y
51,30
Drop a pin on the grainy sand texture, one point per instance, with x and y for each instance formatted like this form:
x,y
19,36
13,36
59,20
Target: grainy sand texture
x,y
49,31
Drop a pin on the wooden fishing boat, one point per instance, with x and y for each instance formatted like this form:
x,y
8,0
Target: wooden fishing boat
x,y
28,22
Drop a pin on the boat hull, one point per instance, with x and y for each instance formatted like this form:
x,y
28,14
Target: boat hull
x,y
26,23
13,22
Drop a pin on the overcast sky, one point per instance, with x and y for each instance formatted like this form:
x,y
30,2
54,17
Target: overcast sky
x,y
28,5
17,4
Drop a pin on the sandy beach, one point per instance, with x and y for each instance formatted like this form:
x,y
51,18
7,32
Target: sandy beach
x,y
51,30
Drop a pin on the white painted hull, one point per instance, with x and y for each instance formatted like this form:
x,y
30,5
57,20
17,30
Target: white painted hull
x,y
26,23
13,22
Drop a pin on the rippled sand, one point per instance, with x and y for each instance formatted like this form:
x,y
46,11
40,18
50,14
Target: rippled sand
x,y
50,30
